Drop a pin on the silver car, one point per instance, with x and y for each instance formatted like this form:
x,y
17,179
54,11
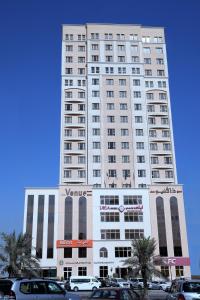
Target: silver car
x,y
33,289
184,290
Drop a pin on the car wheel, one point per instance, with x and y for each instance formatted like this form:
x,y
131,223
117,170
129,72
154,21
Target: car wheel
x,y
94,288
75,289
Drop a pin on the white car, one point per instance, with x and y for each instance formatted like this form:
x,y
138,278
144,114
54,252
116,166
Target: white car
x,y
165,285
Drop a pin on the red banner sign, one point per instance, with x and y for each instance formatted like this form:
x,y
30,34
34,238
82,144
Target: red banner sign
x,y
74,243
175,261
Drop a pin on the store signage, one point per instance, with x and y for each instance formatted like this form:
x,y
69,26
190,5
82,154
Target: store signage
x,y
77,262
74,243
175,261
167,190
122,208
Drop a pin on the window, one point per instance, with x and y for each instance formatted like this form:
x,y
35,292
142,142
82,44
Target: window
x,y
81,82
109,200
109,81
67,174
121,70
109,70
110,106
81,71
125,159
81,95
160,73
159,61
95,70
122,94
68,120
150,108
68,82
110,234
121,59
155,174
69,48
153,146
67,159
82,252
81,146
108,47
146,39
81,159
112,173
69,59
165,271
137,94
154,160
124,119
167,146
96,159
122,82
67,146
134,48
110,119
169,174
95,47
81,132
124,145
111,159
123,106
138,119
140,159
148,72
162,96
96,119
139,132
95,58
135,59
168,160
160,210
151,120
121,47
124,132
132,199
140,145
133,216
109,216
109,58
94,36
146,50
163,108
95,94
81,174
68,71
81,59
134,234
150,96
162,84
96,145
126,173
81,120
147,61
81,37
103,271
159,50
149,84
95,81
136,82
103,252
179,271
68,107
138,106
164,121
152,133
158,39
68,132
136,71
110,94
95,106
111,131
96,131
81,48
96,173
122,251
111,145
69,37
141,173
82,271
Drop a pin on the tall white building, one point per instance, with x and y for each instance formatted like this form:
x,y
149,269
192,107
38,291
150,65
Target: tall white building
x,y
118,177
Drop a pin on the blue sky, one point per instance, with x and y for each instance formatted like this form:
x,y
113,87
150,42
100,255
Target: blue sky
x,y
30,63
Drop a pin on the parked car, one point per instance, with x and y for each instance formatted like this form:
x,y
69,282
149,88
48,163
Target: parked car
x,y
165,285
120,282
115,293
136,283
154,286
184,290
84,283
23,289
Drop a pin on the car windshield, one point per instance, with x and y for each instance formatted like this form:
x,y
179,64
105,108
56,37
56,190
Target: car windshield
x,y
191,287
109,294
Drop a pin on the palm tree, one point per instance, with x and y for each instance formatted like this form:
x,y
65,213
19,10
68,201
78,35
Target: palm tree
x,y
143,259
15,255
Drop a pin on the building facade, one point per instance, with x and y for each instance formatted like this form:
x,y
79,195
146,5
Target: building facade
x,y
118,179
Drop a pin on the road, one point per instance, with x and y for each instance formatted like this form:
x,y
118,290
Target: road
x,y
153,295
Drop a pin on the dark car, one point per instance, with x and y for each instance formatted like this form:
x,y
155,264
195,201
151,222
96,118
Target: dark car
x,y
115,293
184,290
